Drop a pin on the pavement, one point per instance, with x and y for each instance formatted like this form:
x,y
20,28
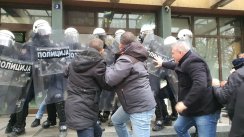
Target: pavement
x,y
222,129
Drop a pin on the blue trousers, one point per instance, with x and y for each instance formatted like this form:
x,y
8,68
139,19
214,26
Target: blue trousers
x,y
206,125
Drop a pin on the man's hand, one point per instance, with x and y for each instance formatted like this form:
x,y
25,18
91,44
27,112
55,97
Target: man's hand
x,y
222,83
215,82
158,62
180,107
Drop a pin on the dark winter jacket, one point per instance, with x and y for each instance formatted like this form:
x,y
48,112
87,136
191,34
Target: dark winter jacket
x,y
85,79
232,94
194,83
130,77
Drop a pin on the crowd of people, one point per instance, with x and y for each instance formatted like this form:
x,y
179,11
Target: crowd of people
x,y
117,80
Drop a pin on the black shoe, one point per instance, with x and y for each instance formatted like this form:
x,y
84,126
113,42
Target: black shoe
x,y
9,128
104,119
158,126
35,123
47,124
105,116
173,117
17,132
167,121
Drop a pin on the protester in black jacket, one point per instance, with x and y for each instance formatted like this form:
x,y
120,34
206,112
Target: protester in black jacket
x,y
232,94
85,81
196,101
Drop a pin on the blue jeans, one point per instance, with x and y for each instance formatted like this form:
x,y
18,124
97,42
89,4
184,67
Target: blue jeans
x,y
95,131
206,125
41,110
140,123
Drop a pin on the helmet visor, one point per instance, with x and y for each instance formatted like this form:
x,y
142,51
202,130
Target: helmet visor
x,y
44,30
6,42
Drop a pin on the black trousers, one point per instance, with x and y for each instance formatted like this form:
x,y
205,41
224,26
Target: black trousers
x,y
18,119
54,109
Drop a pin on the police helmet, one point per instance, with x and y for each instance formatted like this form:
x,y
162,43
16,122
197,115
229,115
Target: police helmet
x,y
42,27
71,31
71,34
99,31
170,40
119,32
7,38
147,28
184,34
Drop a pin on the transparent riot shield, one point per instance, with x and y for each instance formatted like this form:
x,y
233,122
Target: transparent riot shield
x,y
115,47
50,62
75,45
106,97
156,48
15,80
173,82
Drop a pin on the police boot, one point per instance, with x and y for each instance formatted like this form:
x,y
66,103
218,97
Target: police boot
x,y
9,128
11,123
174,114
105,116
19,127
17,131
47,124
51,116
158,125
62,119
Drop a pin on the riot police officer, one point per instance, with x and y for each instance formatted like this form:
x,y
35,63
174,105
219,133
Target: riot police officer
x,y
106,97
16,124
48,81
162,116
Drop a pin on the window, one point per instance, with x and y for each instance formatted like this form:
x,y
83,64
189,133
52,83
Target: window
x,y
217,45
24,16
230,27
19,37
207,49
136,20
78,18
230,47
205,26
109,19
178,23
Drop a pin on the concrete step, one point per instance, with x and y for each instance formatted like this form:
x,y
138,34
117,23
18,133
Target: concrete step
x,y
222,129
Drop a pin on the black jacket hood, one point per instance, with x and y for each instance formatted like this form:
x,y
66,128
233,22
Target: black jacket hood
x,y
136,50
238,63
86,59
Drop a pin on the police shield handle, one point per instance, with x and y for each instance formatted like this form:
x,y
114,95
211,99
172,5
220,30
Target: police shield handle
x,y
158,60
